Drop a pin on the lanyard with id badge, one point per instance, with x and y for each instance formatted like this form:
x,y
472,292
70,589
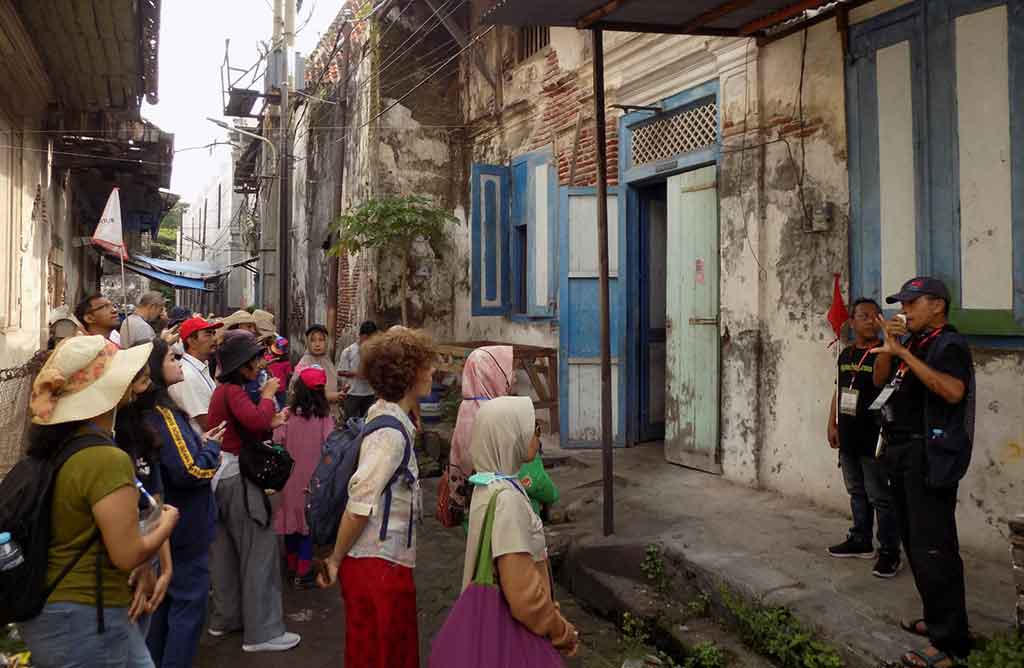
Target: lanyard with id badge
x,y
849,396
881,403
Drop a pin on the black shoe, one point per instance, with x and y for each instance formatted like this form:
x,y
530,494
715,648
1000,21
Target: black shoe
x,y
887,566
852,549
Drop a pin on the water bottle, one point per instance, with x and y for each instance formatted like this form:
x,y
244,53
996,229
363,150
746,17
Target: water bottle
x,y
10,553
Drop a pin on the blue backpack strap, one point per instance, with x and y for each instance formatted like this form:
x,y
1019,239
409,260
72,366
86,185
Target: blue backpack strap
x,y
403,472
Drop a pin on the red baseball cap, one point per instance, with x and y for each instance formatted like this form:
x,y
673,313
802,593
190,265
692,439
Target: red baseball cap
x,y
313,376
196,324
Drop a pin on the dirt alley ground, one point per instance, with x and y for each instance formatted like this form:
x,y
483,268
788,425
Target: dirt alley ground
x,y
318,615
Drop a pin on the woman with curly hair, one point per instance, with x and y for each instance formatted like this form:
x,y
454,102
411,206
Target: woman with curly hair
x,y
376,546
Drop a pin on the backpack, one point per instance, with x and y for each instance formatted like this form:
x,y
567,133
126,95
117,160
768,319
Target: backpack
x,y
26,495
949,443
327,494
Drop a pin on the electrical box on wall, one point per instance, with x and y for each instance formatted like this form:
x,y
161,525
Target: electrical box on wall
x,y
822,216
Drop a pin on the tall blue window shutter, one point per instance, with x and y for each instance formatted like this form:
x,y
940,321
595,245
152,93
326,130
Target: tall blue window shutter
x,y
489,231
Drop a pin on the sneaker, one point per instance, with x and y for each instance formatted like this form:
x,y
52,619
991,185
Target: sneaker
x,y
281,643
852,549
307,581
887,566
217,633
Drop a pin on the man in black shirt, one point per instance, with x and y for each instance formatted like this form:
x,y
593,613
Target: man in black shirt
x,y
927,411
855,434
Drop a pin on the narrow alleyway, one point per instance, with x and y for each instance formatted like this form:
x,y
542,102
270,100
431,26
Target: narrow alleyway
x,y
319,615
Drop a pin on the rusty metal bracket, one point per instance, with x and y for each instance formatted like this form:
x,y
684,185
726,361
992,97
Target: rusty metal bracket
x,y
703,321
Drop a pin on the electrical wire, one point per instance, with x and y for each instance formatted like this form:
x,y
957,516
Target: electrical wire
x,y
394,104
134,161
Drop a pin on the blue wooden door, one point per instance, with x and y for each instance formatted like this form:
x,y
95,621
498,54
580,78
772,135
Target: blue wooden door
x,y
579,314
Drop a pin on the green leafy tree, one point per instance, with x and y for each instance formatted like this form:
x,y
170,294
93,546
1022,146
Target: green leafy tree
x,y
392,226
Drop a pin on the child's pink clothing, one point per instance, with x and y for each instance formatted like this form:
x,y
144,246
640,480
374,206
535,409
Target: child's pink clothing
x,y
303,438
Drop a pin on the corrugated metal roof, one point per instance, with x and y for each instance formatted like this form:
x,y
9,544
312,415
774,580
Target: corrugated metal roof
x,y
724,17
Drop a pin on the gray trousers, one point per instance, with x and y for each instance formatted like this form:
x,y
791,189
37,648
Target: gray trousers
x,y
245,566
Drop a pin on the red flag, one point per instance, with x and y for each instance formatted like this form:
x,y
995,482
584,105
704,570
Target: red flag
x,y
837,313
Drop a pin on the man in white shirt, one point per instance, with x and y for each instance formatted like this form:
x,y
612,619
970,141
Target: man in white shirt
x,y
360,395
138,328
193,394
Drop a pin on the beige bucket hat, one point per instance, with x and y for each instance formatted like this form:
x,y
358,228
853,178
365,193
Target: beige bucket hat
x,y
84,377
239,318
265,325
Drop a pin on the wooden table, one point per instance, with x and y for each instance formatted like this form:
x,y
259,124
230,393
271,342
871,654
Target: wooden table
x,y
539,363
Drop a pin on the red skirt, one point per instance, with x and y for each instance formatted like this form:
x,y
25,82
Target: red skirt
x,y
380,614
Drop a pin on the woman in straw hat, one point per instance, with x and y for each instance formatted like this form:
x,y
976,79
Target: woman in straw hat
x,y
74,401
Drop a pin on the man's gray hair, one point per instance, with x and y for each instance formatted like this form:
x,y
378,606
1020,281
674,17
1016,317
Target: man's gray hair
x,y
153,298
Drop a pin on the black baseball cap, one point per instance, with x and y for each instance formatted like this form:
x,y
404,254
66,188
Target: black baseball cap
x,y
919,287
367,328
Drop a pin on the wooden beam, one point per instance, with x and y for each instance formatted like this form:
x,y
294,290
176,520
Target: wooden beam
x,y
604,10
779,16
715,13
455,30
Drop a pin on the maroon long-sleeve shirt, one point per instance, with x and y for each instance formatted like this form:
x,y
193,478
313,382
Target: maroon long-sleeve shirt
x,y
245,420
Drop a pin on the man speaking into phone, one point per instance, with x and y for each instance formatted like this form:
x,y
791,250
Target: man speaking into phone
x,y
927,416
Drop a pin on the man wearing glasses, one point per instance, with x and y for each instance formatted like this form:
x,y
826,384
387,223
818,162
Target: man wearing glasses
x,y
855,435
99,316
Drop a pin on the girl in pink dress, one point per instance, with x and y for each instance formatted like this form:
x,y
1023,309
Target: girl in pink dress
x,y
303,435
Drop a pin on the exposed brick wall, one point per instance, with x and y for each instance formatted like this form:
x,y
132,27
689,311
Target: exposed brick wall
x,y
561,100
348,292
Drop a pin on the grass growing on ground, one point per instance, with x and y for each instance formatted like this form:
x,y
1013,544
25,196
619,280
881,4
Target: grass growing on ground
x,y
774,632
1005,651
653,567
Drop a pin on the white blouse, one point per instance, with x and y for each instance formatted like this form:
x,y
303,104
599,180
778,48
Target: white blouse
x,y
379,458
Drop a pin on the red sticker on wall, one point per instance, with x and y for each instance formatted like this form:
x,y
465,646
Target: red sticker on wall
x,y
699,271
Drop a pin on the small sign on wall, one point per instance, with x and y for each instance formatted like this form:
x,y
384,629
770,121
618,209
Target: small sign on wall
x,y
698,271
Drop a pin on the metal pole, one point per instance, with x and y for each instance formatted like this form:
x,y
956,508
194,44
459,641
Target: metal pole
x,y
284,218
600,150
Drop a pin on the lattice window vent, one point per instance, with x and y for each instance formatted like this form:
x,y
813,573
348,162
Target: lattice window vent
x,y
691,130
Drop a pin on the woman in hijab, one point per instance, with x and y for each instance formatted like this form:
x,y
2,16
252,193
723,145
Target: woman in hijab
x,y
489,373
317,355
504,437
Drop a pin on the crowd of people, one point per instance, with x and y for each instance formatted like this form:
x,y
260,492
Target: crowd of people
x,y
160,529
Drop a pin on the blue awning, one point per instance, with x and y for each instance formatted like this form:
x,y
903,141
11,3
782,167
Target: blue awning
x,y
172,280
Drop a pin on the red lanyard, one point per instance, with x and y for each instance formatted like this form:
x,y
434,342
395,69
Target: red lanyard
x,y
916,344
857,368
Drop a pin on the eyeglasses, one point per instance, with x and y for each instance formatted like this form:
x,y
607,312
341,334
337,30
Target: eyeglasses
x,y
109,305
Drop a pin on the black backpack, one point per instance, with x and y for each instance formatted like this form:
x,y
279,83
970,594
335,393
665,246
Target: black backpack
x,y
26,495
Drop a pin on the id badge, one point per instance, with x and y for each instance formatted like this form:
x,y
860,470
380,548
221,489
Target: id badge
x,y
848,401
884,396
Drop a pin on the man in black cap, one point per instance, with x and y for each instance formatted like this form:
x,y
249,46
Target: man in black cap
x,y
927,410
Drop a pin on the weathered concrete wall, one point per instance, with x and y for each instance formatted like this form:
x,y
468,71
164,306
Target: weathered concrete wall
x,y
795,374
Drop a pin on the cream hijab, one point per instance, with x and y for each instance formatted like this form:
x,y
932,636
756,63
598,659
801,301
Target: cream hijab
x,y
501,437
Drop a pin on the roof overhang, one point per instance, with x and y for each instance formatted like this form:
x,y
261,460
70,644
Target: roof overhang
x,y
99,54
729,18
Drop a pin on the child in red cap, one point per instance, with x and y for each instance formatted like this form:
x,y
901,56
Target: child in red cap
x,y
303,435
280,367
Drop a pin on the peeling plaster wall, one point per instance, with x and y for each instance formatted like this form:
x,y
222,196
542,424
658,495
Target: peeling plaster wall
x,y
794,386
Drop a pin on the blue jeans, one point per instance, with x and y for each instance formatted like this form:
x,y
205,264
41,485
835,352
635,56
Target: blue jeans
x,y
868,487
178,622
64,635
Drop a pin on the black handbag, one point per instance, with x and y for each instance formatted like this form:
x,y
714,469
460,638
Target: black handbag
x,y
266,465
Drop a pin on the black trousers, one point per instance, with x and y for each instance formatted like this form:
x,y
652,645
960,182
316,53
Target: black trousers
x,y
927,521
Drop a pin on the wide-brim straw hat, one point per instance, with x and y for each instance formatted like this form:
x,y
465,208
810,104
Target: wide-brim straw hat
x,y
239,318
84,377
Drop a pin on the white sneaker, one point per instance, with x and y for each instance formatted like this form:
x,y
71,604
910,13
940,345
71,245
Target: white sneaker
x,y
281,643
217,633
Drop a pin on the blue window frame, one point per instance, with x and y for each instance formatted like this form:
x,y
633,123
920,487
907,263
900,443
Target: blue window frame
x,y
929,29
515,237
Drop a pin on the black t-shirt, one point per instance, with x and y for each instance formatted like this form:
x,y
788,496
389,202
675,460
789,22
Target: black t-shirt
x,y
908,401
858,433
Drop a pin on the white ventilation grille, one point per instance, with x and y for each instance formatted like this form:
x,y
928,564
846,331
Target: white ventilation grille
x,y
692,130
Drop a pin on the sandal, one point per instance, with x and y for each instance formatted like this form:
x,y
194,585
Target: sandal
x,y
917,627
932,661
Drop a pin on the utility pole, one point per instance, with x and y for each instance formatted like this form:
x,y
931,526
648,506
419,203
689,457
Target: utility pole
x,y
284,182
